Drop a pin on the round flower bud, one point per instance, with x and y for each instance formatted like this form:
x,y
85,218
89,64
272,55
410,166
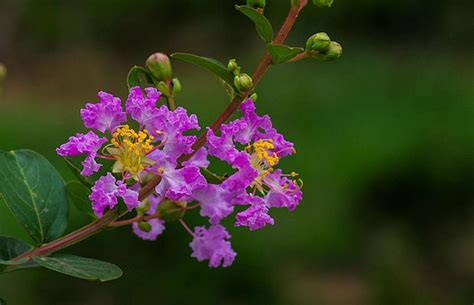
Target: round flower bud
x,y
170,210
159,66
3,72
176,86
334,51
243,82
144,226
323,3
256,3
253,97
163,88
232,66
319,42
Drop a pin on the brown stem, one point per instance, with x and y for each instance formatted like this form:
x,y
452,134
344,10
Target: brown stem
x,y
73,237
299,57
111,216
134,219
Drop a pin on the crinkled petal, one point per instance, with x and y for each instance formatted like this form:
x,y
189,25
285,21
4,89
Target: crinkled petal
x,y
216,202
212,245
256,216
199,159
243,177
157,228
81,144
179,184
90,166
284,193
142,107
105,115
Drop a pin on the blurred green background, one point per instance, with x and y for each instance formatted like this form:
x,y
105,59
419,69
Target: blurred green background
x,y
385,140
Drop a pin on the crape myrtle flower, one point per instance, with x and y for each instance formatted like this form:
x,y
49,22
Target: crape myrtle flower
x,y
211,244
255,183
153,149
151,228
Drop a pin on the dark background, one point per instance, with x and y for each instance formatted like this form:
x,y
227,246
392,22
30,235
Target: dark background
x,y
384,138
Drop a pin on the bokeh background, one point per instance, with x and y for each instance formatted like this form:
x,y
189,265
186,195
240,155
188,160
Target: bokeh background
x,y
384,137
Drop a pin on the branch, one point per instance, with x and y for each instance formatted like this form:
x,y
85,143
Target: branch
x,y
111,216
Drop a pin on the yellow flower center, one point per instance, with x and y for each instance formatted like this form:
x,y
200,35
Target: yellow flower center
x,y
130,148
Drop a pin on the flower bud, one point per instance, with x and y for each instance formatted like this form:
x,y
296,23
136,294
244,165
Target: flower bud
x,y
243,82
176,87
159,66
256,3
3,72
334,51
319,42
233,67
163,88
170,210
144,226
323,3
253,97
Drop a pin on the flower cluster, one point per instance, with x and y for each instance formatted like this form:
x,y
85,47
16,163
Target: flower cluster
x,y
146,140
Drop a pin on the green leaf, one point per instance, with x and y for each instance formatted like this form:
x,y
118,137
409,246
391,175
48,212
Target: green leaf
x,y
79,194
76,170
80,267
35,193
133,78
11,248
209,64
2,302
210,176
262,25
281,53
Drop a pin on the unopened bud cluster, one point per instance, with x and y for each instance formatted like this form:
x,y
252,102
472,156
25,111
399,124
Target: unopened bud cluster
x,y
321,47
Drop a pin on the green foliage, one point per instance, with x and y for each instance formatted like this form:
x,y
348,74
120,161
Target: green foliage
x,y
262,25
35,193
11,248
80,267
281,53
212,65
133,78
170,210
76,170
79,195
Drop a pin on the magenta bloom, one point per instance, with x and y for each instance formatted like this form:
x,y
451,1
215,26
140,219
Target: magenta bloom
x,y
255,172
105,115
157,227
87,144
140,107
212,245
256,216
216,202
106,191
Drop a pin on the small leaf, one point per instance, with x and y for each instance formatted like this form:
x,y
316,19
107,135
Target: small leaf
x,y
35,193
76,170
79,194
210,176
209,64
133,78
262,25
3,302
281,53
11,248
80,267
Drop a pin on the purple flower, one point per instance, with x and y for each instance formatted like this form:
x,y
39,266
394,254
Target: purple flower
x,y
254,165
175,184
212,244
284,193
216,202
142,108
105,192
157,227
105,115
256,216
88,144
